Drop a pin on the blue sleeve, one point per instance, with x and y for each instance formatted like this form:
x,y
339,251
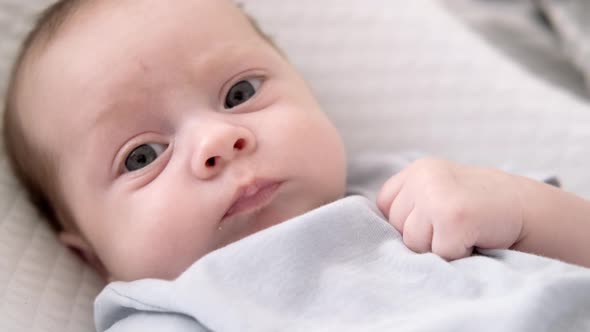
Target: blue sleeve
x,y
142,305
157,322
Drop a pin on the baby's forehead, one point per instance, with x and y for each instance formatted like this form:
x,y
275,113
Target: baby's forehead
x,y
107,39
97,22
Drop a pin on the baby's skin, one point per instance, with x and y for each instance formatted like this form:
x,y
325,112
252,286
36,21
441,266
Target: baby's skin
x,y
177,138
450,209
178,129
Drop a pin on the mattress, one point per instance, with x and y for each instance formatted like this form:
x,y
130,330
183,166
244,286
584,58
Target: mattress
x,y
392,75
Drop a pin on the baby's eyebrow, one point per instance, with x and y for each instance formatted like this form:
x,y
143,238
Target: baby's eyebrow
x,y
116,114
115,125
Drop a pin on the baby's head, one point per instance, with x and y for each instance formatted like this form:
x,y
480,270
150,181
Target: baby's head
x,y
153,132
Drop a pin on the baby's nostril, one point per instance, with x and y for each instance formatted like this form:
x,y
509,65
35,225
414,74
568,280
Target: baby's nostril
x,y
210,162
240,144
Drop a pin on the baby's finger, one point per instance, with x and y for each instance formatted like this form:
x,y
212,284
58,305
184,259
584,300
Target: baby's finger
x,y
417,233
401,207
388,192
450,247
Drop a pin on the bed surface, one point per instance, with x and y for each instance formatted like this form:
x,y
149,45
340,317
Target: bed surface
x,y
392,75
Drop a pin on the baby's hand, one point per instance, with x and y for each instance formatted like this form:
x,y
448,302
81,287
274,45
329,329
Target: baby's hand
x,y
449,209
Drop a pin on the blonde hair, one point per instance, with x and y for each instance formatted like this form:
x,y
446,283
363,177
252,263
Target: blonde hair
x,y
34,168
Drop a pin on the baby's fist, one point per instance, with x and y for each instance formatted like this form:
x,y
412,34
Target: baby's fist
x,y
449,209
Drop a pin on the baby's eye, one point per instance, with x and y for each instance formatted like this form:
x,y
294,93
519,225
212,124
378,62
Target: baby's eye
x,y
241,92
144,155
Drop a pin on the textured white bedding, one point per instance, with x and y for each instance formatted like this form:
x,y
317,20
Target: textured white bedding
x,y
394,75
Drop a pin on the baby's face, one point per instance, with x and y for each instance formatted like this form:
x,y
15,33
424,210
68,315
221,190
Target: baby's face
x,y
177,130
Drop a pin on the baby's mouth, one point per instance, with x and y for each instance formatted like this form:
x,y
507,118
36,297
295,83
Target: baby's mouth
x,y
253,196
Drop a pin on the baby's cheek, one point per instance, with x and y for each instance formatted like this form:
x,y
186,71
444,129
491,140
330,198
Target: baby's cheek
x,y
141,259
163,252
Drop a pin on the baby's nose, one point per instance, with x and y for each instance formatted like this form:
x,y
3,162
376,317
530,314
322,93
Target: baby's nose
x,y
218,147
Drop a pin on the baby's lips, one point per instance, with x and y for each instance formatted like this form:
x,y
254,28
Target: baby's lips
x,y
252,195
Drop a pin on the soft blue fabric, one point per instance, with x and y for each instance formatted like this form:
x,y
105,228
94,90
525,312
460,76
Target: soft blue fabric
x,y
342,267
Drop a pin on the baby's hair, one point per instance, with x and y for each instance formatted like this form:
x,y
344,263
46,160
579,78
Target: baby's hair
x,y
33,167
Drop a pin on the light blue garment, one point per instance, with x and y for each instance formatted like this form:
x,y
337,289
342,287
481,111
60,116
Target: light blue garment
x,y
342,267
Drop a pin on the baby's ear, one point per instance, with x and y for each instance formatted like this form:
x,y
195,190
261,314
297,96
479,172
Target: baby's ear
x,y
79,246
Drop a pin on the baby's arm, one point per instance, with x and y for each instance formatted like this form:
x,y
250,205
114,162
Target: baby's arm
x,y
449,209
556,223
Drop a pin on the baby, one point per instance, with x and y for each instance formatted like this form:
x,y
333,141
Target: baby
x,y
153,132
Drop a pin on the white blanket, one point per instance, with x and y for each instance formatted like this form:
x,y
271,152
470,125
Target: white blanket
x,y
393,75
342,267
